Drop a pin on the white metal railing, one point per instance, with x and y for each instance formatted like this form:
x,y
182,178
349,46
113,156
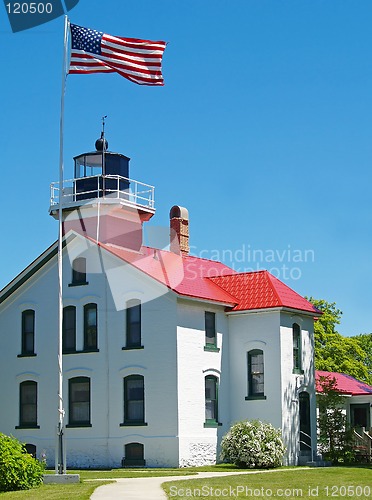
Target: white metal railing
x,y
103,186
307,442
362,441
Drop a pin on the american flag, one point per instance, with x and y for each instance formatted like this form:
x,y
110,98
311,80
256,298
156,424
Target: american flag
x,y
95,52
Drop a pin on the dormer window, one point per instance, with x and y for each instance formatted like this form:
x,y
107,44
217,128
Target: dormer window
x,y
79,272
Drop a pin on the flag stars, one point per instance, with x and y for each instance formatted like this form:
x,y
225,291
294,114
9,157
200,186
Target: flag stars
x,y
86,39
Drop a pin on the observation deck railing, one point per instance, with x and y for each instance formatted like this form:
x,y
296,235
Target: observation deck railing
x,y
104,187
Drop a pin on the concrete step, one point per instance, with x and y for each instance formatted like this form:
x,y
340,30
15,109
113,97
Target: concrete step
x,y
318,463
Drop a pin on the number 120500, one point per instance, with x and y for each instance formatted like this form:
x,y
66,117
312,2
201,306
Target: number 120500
x,y
29,8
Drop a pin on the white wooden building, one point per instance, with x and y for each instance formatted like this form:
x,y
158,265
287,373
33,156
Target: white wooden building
x,y
163,351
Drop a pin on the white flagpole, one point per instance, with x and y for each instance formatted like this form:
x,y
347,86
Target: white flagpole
x,y
60,465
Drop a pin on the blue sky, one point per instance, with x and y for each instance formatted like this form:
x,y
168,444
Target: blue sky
x,y
263,131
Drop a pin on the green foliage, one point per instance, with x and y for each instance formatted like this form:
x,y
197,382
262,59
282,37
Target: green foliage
x,y
253,444
18,469
336,353
365,342
335,436
326,323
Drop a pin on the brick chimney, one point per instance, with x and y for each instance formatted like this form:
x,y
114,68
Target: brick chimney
x,y
179,230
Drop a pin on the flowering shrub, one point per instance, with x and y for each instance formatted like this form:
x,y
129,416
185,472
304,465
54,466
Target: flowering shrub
x,y
18,469
253,444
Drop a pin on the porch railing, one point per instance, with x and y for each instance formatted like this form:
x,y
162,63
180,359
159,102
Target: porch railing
x,y
306,443
362,442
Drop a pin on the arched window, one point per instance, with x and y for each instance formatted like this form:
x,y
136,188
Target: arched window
x,y
79,401
79,271
134,400
28,404
211,401
297,351
256,375
31,449
133,324
134,455
90,327
28,332
69,329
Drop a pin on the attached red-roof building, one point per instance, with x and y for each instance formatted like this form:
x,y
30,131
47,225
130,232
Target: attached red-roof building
x,y
346,384
358,398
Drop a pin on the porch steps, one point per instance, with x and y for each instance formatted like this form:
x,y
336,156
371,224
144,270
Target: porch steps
x,y
318,463
305,459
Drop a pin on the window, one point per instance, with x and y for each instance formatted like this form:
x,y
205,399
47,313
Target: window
x,y
69,329
90,327
133,326
210,332
28,332
134,455
28,404
79,402
297,354
79,272
255,374
31,449
134,400
211,401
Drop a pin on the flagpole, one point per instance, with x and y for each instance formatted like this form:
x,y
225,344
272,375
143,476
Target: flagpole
x,y
60,465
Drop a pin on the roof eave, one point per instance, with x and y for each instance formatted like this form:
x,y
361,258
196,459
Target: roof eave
x,y
34,267
274,309
28,272
200,299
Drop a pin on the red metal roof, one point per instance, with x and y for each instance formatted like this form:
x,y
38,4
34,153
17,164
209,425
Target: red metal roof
x,y
261,290
212,280
185,275
346,384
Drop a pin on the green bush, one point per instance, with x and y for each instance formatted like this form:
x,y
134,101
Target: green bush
x,y
253,444
18,469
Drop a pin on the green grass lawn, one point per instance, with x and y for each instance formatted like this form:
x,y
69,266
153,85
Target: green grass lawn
x,y
320,483
117,473
84,490
80,491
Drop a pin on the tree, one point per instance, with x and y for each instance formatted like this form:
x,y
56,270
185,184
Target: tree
x,y
334,352
335,436
365,341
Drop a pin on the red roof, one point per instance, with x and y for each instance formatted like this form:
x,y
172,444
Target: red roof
x,y
346,384
212,280
261,290
185,275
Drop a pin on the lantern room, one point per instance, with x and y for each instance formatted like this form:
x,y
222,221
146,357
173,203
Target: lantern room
x,y
101,172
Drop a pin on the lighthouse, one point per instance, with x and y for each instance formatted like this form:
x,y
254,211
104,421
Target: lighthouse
x,y
102,202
